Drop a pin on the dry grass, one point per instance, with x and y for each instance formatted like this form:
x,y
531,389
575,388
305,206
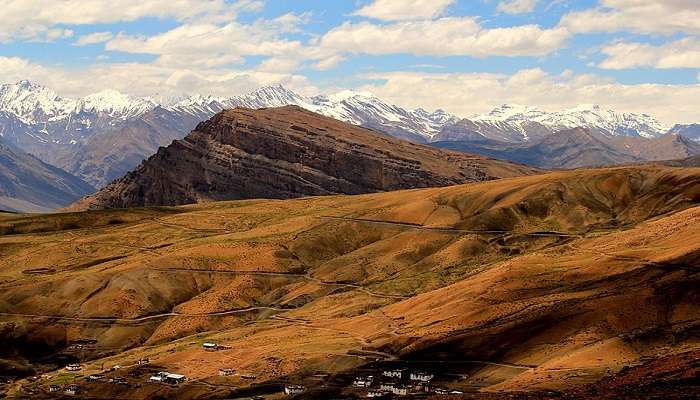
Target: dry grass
x,y
569,305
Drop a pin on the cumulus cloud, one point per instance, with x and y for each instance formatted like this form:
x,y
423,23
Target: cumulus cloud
x,y
208,44
329,62
94,38
401,10
148,79
683,53
516,6
36,20
462,36
466,94
640,16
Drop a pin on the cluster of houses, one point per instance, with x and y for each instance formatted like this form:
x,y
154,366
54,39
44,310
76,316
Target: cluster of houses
x,y
167,378
70,390
399,382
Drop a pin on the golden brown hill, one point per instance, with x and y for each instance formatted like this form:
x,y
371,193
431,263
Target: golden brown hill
x,y
523,284
288,152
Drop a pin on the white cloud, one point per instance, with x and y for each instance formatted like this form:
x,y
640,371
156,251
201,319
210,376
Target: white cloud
x,y
207,44
401,10
94,38
640,16
461,36
466,94
147,79
329,62
37,20
683,53
516,6
275,64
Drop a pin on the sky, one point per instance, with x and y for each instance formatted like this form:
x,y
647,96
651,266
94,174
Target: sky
x,y
463,56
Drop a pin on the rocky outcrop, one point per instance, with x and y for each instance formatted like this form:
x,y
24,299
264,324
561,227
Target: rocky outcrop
x,y
288,152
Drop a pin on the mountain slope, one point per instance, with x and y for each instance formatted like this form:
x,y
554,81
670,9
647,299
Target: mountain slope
x,y
691,131
528,284
103,136
288,152
580,147
27,184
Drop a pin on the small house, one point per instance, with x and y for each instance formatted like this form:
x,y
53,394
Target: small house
x,y
73,367
174,379
394,373
376,393
72,390
419,387
209,346
291,390
227,372
54,388
387,386
400,390
363,381
143,361
156,379
95,377
442,391
422,376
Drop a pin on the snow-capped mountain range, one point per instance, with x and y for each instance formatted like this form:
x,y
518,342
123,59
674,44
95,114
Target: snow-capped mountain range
x,y
104,135
590,116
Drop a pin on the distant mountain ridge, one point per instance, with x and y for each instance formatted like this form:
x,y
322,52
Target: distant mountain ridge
x,y
580,147
30,185
101,137
288,152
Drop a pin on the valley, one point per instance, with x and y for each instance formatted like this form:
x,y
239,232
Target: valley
x,y
522,286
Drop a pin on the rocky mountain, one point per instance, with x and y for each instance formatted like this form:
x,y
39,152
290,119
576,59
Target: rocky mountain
x,y
579,147
30,185
288,152
103,136
691,131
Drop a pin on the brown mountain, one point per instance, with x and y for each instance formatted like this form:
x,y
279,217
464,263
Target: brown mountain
x,y
284,153
28,184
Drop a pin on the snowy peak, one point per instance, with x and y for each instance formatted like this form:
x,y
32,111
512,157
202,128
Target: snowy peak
x,y
114,104
274,96
591,116
32,103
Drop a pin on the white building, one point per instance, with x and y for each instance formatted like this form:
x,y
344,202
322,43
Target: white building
x,y
209,346
387,386
291,390
422,376
226,372
73,367
72,390
363,381
394,373
400,390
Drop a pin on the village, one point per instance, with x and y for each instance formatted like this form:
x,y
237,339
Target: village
x,y
381,382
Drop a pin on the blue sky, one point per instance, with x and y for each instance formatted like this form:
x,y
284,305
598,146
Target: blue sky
x,y
463,56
